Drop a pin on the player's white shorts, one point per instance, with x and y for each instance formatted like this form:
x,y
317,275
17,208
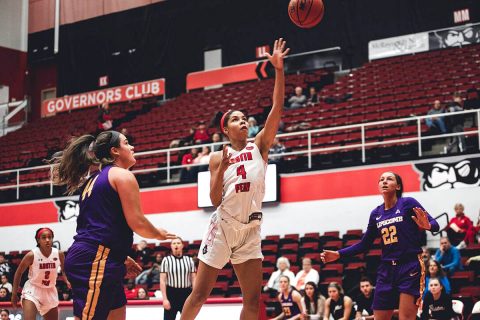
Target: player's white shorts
x,y
224,241
45,299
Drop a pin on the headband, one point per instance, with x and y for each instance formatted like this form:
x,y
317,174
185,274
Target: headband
x,y
223,120
41,231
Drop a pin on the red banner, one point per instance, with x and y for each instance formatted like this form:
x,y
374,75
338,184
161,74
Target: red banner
x,y
225,75
111,95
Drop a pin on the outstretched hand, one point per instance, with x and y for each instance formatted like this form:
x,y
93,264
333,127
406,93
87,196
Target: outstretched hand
x,y
421,218
279,52
329,256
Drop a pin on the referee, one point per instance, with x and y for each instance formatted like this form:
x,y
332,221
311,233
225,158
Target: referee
x,y
177,274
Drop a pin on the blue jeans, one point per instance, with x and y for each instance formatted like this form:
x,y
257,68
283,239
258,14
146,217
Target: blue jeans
x,y
438,123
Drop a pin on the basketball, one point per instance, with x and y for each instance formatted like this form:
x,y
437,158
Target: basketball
x,y
306,13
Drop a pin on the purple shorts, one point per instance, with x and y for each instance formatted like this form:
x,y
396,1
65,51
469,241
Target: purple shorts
x,y
97,280
395,277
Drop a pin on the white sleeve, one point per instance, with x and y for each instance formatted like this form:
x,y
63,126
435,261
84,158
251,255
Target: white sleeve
x,y
273,276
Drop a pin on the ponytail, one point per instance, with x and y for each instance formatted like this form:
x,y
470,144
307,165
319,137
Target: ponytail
x,y
71,166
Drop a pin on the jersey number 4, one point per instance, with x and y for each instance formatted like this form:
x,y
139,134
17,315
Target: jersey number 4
x,y
243,186
88,188
389,235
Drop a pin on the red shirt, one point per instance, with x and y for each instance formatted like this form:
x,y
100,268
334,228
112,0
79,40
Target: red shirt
x,y
463,222
201,134
187,159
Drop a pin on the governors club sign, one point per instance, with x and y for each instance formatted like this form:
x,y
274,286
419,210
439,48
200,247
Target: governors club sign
x,y
110,95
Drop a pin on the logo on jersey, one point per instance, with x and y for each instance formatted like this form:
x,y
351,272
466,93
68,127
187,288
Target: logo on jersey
x,y
443,176
244,156
205,250
67,210
249,148
398,211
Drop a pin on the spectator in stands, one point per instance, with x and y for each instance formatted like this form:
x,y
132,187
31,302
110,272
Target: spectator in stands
x,y
460,230
130,139
305,275
143,252
437,303
298,100
216,137
4,266
276,149
426,256
338,305
201,134
4,283
4,295
290,300
142,294
104,119
434,270
365,300
313,96
152,274
187,174
4,314
203,159
448,257
313,303
283,269
253,127
436,124
455,125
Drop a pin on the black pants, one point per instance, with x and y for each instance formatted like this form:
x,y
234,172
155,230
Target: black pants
x,y
177,297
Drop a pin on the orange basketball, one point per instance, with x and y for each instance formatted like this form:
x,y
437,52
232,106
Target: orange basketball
x,y
306,13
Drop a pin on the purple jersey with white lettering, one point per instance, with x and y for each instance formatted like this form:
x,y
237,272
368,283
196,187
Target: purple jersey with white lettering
x,y
400,235
101,219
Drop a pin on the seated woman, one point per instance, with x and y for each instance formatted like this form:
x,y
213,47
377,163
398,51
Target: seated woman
x,y
437,303
290,300
434,270
283,269
313,303
338,305
461,231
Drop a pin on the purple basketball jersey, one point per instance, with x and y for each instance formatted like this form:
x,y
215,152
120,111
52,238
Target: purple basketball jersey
x,y
101,219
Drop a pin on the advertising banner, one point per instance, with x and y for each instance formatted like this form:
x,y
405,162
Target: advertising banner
x,y
135,91
397,46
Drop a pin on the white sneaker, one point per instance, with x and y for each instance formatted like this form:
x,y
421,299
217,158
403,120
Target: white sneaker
x,y
461,245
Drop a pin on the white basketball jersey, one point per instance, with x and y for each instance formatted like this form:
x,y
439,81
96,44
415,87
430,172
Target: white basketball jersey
x,y
43,271
243,184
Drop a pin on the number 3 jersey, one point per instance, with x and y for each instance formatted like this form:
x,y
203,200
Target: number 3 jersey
x,y
43,271
243,185
400,236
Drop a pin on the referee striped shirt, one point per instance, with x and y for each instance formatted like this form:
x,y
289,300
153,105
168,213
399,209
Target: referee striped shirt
x,y
179,271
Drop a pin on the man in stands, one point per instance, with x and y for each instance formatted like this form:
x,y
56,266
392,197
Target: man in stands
x,y
365,300
448,256
313,96
298,100
436,124
456,124
143,252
